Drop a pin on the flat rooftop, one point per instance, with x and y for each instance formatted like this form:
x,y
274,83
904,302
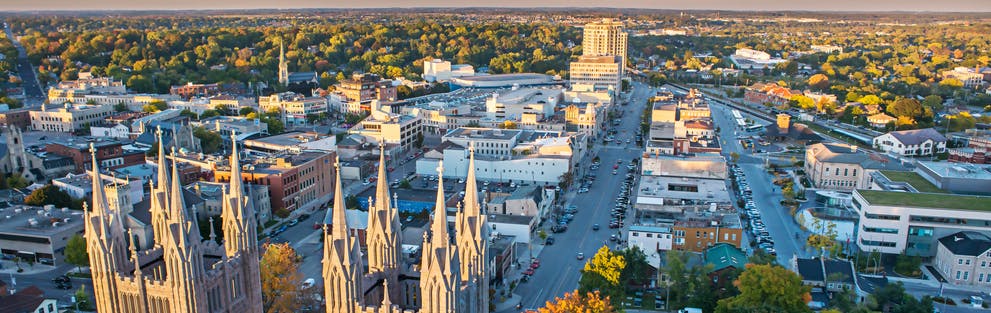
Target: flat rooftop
x,y
679,188
28,220
507,77
958,170
926,200
914,179
289,139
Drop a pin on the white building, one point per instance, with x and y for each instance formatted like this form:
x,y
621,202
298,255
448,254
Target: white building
x,y
293,107
514,104
118,131
539,157
915,142
898,222
440,70
970,77
651,239
600,72
69,118
605,37
396,129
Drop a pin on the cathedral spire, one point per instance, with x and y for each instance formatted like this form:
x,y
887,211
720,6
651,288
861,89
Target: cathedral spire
x,y
382,185
471,186
438,227
342,266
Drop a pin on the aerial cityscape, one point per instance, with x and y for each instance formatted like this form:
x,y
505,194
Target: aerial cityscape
x,y
441,157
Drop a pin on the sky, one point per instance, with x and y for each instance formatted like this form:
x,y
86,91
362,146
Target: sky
x,y
738,5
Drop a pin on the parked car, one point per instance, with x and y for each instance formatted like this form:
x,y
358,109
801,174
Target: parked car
x,y
549,241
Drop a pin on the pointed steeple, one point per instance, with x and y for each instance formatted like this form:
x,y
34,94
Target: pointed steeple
x,y
438,227
382,185
163,177
236,185
339,217
342,266
383,232
471,186
213,235
386,302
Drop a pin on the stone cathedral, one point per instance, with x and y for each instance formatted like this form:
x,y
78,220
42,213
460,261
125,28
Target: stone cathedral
x,y
451,276
181,272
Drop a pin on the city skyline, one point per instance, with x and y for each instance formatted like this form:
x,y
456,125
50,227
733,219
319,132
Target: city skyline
x,y
747,5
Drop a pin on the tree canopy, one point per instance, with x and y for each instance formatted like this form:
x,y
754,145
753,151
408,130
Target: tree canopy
x,y
575,302
280,278
767,288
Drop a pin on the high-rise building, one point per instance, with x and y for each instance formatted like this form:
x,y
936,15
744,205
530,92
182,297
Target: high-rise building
x,y
451,276
181,272
597,72
606,37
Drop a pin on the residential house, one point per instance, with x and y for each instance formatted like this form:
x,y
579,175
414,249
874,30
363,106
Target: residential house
x,y
915,142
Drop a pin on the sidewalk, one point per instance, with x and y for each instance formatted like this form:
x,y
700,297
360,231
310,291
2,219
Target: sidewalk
x,y
10,267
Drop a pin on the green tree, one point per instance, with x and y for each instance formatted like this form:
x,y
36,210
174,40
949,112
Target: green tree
x,y
767,288
280,278
636,269
905,107
17,181
49,194
245,111
120,107
82,298
870,100
75,251
734,157
934,102
189,114
209,141
209,114
603,273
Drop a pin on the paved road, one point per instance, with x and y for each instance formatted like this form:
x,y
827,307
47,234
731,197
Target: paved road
x,y
559,271
778,221
43,281
34,94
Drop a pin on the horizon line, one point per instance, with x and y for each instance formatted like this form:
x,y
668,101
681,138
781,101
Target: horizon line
x,y
562,8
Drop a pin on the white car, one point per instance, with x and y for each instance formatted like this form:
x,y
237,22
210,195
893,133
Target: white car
x,y
308,283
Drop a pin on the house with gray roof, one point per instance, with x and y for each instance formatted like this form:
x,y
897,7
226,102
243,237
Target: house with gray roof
x,y
964,258
842,167
914,142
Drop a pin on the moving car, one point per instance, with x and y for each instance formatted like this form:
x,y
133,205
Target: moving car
x,y
581,256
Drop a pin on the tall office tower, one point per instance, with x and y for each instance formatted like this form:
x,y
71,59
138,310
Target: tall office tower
x,y
606,37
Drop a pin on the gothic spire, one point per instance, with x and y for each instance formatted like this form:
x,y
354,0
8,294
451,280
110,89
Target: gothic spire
x,y
382,185
438,227
339,217
470,200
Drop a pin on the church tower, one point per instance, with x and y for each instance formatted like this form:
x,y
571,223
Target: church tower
x,y
159,196
104,233
182,252
473,242
283,66
240,233
342,266
439,277
383,233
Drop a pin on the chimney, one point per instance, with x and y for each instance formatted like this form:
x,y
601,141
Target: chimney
x,y
783,121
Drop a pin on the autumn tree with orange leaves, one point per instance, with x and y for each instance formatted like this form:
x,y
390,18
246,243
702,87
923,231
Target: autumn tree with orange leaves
x,y
574,302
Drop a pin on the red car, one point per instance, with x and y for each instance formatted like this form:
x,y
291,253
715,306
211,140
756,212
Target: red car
x,y
534,265
615,166
528,272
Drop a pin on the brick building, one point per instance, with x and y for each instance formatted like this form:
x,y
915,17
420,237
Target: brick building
x,y
17,117
293,180
110,153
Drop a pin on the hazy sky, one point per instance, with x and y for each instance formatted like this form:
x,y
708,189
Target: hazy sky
x,y
810,5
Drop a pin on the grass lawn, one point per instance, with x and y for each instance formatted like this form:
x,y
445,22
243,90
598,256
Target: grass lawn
x,y
914,179
927,200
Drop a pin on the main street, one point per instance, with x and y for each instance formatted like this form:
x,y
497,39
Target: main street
x,y
33,92
559,270
780,224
